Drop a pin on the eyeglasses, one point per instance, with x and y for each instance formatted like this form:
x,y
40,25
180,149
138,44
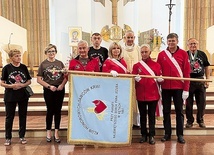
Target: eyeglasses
x,y
53,51
193,43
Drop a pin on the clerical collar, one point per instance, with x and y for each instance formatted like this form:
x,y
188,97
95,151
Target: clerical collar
x,y
129,48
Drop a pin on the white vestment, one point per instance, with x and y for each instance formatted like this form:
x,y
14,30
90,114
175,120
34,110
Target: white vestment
x,y
132,56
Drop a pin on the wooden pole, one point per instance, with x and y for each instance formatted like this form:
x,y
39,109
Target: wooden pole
x,y
133,75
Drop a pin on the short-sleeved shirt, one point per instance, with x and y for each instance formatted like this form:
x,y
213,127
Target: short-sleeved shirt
x,y
198,62
46,71
102,53
11,75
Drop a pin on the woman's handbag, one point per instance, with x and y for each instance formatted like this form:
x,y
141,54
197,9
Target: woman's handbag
x,y
29,91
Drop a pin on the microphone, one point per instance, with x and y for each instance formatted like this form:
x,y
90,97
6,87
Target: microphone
x,y
9,40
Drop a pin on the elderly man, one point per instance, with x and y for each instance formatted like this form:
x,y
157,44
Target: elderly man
x,y
199,67
131,54
82,62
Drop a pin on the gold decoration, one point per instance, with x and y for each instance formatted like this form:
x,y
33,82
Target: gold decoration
x,y
105,33
114,33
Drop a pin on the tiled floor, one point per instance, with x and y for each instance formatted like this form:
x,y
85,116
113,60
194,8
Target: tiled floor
x,y
195,145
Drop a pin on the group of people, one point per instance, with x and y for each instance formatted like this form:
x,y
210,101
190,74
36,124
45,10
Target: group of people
x,y
130,59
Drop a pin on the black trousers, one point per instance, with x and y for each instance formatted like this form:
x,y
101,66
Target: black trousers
x,y
142,106
198,90
10,108
167,96
54,101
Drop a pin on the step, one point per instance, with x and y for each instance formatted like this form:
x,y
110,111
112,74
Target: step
x,y
158,131
38,104
40,99
41,110
36,101
36,127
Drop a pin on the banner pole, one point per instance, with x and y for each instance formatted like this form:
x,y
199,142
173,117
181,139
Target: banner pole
x,y
132,75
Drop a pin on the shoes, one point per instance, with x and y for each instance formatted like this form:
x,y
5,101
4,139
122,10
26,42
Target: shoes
x,y
151,140
135,126
189,125
57,140
166,138
48,139
7,142
202,125
181,139
23,141
143,139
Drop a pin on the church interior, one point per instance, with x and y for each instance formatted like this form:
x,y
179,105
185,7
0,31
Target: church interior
x,y
30,25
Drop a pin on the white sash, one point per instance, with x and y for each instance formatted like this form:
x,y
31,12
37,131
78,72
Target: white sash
x,y
174,62
160,108
118,63
147,68
150,72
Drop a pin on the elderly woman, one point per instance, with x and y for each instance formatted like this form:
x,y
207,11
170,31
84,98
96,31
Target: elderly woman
x,y
147,92
54,89
82,62
115,64
15,78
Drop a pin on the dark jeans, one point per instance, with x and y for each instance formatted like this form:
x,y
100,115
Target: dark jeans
x,y
198,90
10,113
167,96
142,106
54,101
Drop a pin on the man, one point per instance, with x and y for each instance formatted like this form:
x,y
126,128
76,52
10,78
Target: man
x,y
131,54
199,67
82,62
97,50
175,63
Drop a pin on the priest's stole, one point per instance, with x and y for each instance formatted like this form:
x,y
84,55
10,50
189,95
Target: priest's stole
x,y
100,110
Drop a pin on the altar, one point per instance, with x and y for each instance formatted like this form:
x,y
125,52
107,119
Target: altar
x,y
12,37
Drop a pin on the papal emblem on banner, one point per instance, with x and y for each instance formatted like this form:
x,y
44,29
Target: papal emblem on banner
x,y
100,110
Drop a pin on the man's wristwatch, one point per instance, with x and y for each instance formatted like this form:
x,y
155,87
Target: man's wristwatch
x,y
49,87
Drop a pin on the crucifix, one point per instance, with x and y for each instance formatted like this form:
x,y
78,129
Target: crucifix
x,y
170,6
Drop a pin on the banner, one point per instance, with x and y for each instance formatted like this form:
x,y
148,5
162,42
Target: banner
x,y
100,110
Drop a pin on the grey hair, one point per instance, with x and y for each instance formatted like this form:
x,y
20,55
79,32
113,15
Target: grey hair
x,y
192,39
145,45
129,31
82,42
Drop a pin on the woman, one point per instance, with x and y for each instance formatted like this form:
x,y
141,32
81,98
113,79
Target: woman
x,y
15,78
147,92
82,61
53,83
115,64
